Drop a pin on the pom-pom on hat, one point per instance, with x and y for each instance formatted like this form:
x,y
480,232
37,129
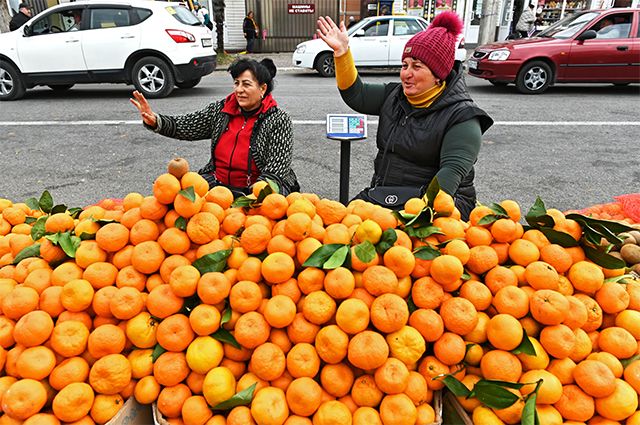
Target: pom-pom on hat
x,y
436,46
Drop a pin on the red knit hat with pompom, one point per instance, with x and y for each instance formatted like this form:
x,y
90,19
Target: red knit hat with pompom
x,y
436,46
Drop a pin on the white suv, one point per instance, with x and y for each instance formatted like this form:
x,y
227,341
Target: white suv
x,y
153,45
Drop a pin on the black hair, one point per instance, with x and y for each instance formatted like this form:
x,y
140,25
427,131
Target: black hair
x,y
263,71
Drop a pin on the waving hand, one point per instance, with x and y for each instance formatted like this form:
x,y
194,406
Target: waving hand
x,y
335,37
140,102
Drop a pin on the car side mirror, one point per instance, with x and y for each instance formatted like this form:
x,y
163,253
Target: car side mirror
x,y
587,35
359,33
27,30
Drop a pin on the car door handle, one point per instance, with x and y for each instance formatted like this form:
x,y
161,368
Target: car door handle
x,y
72,41
622,48
127,36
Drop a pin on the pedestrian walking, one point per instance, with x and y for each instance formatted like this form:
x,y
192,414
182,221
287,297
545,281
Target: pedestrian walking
x,y
20,18
526,22
250,30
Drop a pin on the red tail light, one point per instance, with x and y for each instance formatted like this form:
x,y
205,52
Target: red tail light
x,y
461,43
180,36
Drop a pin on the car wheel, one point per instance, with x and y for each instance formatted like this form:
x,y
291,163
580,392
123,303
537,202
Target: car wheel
x,y
11,85
534,78
498,83
325,65
188,84
59,88
152,77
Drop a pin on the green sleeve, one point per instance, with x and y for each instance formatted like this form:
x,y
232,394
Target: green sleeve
x,y
459,152
365,98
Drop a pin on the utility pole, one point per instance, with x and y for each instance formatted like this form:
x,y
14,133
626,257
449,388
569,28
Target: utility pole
x,y
488,21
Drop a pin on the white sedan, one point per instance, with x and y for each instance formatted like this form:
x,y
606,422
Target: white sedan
x,y
376,41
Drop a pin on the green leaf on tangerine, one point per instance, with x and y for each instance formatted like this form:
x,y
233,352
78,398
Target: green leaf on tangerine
x,y
181,223
426,253
243,398
215,262
455,386
188,193
224,335
365,251
321,255
37,230
30,251
602,259
525,347
157,352
493,395
32,203
69,243
243,202
337,259
432,191
46,202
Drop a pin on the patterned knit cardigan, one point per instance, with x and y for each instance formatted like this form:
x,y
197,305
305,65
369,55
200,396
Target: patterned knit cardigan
x,y
271,142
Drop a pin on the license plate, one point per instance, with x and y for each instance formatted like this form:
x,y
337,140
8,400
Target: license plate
x,y
206,42
472,64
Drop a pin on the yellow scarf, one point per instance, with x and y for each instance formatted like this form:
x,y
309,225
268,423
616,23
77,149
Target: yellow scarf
x,y
425,99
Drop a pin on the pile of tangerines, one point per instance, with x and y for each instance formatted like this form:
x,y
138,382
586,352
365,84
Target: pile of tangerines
x,y
300,310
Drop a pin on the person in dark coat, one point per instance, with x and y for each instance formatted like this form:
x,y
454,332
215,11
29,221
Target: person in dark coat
x,y
251,136
20,18
250,30
428,126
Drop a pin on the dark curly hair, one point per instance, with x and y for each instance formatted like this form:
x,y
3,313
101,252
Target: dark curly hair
x,y
263,71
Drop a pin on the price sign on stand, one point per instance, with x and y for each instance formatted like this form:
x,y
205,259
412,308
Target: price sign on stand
x,y
346,127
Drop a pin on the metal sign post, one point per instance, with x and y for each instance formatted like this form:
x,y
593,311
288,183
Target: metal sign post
x,y
346,128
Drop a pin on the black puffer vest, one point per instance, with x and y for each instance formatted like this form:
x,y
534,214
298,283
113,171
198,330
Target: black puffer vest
x,y
409,139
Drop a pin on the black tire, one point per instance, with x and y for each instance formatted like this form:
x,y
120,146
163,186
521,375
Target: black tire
x,y
60,88
498,83
189,83
534,78
325,65
152,77
11,85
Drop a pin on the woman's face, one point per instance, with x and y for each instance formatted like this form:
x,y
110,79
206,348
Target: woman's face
x,y
416,77
250,15
248,91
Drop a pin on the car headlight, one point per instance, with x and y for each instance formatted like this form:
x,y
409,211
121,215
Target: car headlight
x,y
301,48
499,55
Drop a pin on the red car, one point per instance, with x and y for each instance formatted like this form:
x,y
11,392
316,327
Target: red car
x,y
593,46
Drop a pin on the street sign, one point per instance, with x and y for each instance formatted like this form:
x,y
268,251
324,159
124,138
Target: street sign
x,y
346,126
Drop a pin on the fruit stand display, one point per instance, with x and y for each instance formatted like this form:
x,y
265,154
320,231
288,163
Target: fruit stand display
x,y
298,310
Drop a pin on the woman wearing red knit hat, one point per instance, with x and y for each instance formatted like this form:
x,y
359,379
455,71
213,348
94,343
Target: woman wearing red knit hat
x,y
429,126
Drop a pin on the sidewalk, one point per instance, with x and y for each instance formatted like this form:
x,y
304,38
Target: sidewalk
x,y
281,60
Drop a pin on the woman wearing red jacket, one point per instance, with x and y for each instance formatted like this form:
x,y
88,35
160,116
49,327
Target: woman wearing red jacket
x,y
251,137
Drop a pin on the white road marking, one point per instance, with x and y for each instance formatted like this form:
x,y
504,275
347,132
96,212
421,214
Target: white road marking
x,y
323,122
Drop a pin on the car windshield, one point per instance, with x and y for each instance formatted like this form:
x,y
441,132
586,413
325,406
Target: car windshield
x,y
358,25
569,26
183,15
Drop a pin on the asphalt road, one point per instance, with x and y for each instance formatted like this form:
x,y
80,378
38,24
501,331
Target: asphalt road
x,y
574,146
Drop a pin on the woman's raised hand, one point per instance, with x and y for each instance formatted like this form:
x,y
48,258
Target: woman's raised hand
x,y
335,37
141,103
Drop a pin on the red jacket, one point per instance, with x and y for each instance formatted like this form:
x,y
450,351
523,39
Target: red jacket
x,y
232,150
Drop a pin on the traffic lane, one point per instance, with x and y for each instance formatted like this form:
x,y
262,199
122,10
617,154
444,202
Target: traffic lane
x,y
567,167
307,96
